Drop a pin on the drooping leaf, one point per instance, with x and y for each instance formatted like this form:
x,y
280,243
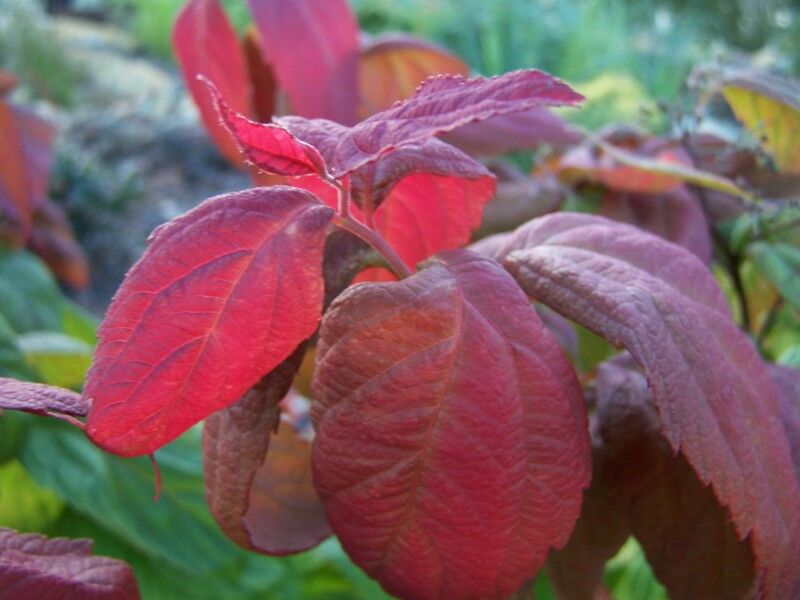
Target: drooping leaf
x,y
393,65
448,414
313,49
40,399
205,43
258,475
676,216
53,240
780,264
445,103
222,295
32,566
267,146
769,107
713,394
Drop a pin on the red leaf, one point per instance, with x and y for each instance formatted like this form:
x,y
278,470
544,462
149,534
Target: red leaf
x,y
40,399
509,133
53,240
713,394
33,566
205,43
264,501
222,295
313,49
445,103
451,444
262,78
269,147
676,216
7,82
393,65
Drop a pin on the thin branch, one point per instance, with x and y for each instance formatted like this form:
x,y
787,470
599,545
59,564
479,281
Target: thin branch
x,y
374,239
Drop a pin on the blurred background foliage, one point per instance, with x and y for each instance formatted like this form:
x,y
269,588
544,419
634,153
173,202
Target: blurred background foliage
x,y
628,57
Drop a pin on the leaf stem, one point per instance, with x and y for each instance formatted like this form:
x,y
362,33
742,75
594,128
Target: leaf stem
x,y
374,239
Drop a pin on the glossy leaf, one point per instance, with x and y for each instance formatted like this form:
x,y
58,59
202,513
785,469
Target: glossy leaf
x,y
713,394
40,399
445,103
313,49
258,475
393,65
222,295
770,108
33,566
266,146
205,43
411,461
780,264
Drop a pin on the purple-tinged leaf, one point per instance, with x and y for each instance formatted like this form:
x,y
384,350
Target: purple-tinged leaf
x,y
261,75
713,394
445,103
452,446
33,566
222,295
787,381
313,48
41,399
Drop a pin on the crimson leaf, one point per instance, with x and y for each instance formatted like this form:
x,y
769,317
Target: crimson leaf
x,y
33,566
40,399
451,444
222,295
712,392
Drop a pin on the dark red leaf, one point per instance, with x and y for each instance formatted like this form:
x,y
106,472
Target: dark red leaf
x,y
676,216
787,381
313,48
40,399
53,240
712,392
33,566
445,103
258,483
452,443
7,82
262,78
205,43
222,295
509,133
393,65
269,147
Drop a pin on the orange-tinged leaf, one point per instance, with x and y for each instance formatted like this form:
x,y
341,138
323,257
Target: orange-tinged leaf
x,y
452,446
222,295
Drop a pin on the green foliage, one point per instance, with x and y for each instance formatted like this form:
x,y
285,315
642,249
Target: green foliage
x,y
629,576
24,505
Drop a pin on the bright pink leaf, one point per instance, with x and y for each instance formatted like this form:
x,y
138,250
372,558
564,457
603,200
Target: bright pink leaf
x,y
714,397
445,103
313,48
205,43
40,399
266,146
222,295
452,445
33,566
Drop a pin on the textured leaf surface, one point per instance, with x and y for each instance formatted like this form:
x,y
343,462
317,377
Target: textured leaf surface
x,y
32,566
269,147
713,394
205,43
313,49
40,399
393,65
447,415
258,475
222,295
444,103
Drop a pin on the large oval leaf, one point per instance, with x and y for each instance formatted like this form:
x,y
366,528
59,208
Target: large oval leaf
x,y
452,442
714,397
222,295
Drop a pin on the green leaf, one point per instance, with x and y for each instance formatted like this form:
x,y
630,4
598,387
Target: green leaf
x,y
24,505
29,296
61,359
780,264
78,323
629,576
13,426
790,357
12,360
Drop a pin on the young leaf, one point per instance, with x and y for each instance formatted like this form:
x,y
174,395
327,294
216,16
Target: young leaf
x,y
33,566
313,49
40,399
222,295
713,394
446,413
264,501
205,43
445,103
269,147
